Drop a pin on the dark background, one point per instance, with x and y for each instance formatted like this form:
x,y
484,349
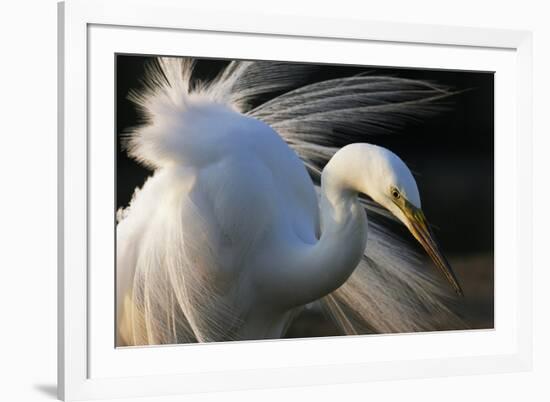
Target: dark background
x,y
451,156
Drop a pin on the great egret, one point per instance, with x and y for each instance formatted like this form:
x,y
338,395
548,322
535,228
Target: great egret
x,y
239,227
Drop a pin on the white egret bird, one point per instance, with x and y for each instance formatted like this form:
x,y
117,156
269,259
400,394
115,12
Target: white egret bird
x,y
239,226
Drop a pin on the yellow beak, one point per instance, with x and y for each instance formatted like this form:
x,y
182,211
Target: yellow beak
x,y
419,228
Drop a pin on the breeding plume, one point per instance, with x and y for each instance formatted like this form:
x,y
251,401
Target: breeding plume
x,y
252,212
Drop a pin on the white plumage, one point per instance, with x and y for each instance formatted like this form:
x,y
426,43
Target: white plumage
x,y
232,234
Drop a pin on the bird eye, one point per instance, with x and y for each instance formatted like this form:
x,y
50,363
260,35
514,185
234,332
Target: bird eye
x,y
395,193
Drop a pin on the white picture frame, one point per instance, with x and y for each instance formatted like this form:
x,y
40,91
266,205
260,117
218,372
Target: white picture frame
x,y
90,31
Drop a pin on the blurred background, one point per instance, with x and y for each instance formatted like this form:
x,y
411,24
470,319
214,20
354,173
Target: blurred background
x,y
451,156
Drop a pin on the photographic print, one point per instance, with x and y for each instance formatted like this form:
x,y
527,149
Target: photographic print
x,y
267,200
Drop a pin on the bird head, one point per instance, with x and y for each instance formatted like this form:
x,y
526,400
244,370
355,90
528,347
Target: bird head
x,y
392,185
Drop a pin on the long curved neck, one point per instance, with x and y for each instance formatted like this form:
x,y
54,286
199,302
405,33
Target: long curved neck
x,y
343,220
326,265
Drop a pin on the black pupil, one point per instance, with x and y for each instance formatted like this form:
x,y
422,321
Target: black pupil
x,y
395,193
